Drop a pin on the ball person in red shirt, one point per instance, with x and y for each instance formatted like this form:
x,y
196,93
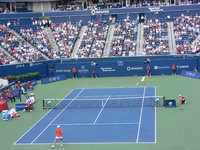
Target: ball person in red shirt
x,y
59,133
173,69
94,74
74,70
182,99
148,71
19,84
10,96
30,86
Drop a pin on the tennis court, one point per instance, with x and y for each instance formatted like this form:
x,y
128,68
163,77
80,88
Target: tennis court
x,y
98,124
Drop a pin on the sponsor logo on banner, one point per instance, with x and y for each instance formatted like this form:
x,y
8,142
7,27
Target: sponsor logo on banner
x,y
161,67
83,70
35,64
155,9
120,63
34,83
182,66
134,68
93,12
20,66
177,55
191,74
63,70
107,69
54,79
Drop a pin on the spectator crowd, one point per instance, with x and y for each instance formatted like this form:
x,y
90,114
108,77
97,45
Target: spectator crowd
x,y
65,34
94,40
107,5
30,42
124,39
155,37
187,30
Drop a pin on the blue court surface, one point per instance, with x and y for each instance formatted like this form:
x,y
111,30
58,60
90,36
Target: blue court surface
x,y
98,125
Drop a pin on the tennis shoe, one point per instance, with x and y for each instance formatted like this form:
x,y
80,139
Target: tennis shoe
x,y
52,146
61,145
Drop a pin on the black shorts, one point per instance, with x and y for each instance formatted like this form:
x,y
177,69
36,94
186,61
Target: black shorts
x,y
183,102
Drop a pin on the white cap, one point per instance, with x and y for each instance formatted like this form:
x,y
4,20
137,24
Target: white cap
x,y
58,126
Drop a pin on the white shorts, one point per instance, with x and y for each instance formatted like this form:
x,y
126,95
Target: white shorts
x,y
59,138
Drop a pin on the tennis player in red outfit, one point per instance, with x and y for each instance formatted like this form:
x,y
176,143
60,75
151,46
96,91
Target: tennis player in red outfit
x,y
59,133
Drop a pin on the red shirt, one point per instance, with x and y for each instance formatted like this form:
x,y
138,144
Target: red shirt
x,y
173,67
148,68
19,85
8,94
29,84
182,98
59,132
74,70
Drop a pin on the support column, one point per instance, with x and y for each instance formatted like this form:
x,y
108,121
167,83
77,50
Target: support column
x,y
127,2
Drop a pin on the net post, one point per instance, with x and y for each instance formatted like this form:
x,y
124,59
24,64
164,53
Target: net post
x,y
43,103
164,101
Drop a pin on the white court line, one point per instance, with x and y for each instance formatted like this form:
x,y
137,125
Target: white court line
x,y
141,111
112,88
155,119
85,124
91,143
113,96
55,118
101,111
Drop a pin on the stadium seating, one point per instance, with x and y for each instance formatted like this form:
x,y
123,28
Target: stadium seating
x,y
30,42
94,40
186,30
155,37
124,40
66,35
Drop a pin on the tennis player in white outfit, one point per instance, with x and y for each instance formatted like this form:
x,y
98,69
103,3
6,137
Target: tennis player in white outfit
x,y
143,80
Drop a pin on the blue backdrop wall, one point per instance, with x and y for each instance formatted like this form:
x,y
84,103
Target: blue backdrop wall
x,y
106,67
122,67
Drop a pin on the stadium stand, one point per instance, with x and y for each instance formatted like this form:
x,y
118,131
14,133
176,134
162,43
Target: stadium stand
x,y
94,40
21,43
155,37
124,40
65,34
36,36
187,29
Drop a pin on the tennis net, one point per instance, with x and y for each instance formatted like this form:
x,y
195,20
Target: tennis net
x,y
150,101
